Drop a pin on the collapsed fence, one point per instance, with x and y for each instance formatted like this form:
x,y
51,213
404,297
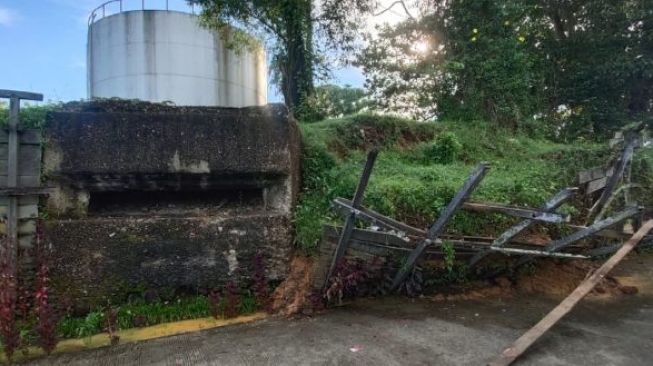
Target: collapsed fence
x,y
385,236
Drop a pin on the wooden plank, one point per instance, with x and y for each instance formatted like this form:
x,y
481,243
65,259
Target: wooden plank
x,y
29,161
551,205
605,233
592,229
27,206
26,191
436,229
523,212
25,137
589,175
25,227
510,354
22,212
351,220
614,179
27,152
376,218
538,253
596,185
23,181
17,94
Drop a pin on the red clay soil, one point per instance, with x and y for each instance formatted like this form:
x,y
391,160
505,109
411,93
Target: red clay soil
x,y
292,296
561,278
551,278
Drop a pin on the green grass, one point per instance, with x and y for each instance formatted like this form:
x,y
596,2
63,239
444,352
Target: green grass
x,y
137,313
422,165
140,313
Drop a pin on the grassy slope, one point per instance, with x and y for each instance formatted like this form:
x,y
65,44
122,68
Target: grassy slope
x,y
421,166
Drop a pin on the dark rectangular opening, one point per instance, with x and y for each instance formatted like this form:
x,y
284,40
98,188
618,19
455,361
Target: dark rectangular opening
x,y
173,203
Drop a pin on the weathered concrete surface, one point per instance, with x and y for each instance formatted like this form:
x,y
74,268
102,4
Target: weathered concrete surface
x,y
170,149
405,332
151,196
109,258
216,144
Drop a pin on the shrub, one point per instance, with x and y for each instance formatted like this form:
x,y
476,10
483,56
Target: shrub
x,y
445,149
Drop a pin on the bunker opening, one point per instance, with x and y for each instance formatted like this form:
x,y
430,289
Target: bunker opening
x,y
183,202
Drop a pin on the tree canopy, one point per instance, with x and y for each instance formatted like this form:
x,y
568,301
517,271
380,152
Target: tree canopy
x,y
583,66
300,32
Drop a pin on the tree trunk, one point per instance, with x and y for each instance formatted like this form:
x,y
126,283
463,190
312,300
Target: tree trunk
x,y
297,77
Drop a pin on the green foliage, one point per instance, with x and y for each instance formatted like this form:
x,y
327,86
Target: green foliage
x,y
407,186
445,149
31,116
300,31
365,131
141,313
569,69
330,101
449,256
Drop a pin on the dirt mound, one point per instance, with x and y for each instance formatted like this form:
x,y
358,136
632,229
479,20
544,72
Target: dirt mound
x,y
550,278
561,278
292,296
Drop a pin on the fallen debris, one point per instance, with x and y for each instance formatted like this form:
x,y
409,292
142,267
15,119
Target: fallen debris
x,y
510,354
292,296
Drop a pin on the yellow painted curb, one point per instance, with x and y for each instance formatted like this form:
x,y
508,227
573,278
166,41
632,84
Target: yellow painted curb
x,y
137,335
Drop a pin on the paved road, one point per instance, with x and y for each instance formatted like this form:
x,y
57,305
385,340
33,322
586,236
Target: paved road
x,y
401,331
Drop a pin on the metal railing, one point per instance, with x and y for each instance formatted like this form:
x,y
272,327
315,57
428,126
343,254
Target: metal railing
x,y
101,11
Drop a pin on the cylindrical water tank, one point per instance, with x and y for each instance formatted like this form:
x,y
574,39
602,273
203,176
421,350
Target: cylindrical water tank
x,y
160,55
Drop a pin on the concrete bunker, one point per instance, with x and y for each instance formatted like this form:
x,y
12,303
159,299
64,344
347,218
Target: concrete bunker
x,y
166,198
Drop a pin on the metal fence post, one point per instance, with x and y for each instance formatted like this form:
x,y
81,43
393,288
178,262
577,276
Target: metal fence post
x,y
10,250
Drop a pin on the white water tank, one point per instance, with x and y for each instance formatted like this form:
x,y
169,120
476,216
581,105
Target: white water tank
x,y
161,55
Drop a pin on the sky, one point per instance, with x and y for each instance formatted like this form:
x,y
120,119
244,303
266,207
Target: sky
x,y
43,45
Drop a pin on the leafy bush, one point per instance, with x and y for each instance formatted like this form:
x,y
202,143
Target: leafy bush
x,y
445,149
364,131
31,116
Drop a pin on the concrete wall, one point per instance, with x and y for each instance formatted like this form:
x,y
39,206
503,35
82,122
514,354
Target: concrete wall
x,y
158,55
167,198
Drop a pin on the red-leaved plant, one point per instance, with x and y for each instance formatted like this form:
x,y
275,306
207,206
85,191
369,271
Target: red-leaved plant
x,y
350,278
214,303
261,286
232,300
47,319
8,331
24,295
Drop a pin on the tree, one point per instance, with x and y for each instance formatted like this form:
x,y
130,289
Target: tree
x,y
584,66
331,101
461,59
300,31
